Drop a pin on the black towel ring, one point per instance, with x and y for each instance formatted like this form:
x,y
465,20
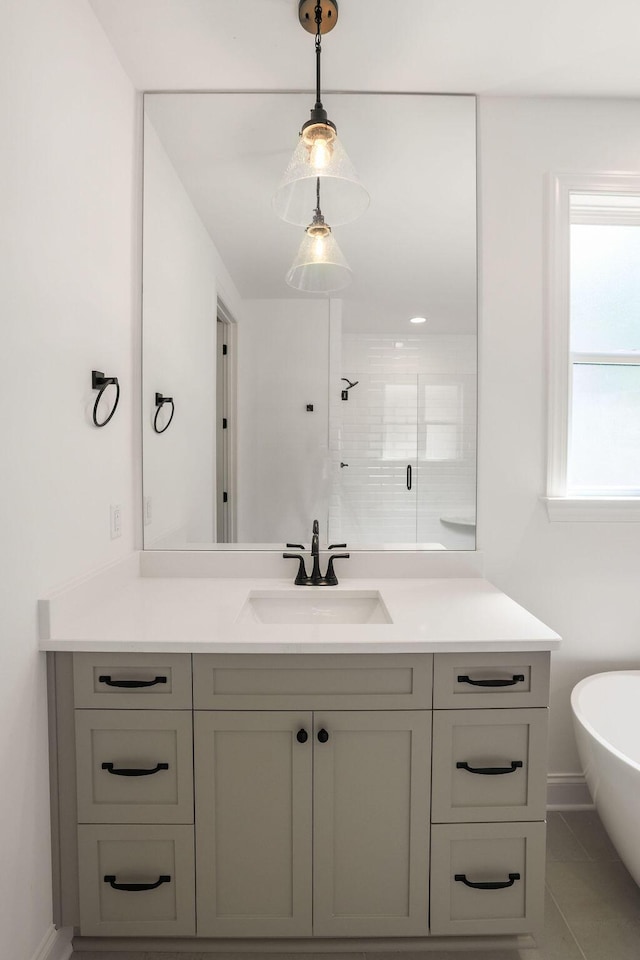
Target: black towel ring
x,y
160,402
100,382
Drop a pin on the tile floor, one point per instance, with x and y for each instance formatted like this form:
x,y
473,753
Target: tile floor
x,y
592,907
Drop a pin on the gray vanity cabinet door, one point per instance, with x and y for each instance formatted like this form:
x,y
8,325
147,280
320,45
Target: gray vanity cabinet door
x,y
487,878
135,681
134,766
136,880
371,823
489,765
253,823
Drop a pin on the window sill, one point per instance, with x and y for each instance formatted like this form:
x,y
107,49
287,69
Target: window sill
x,y
593,509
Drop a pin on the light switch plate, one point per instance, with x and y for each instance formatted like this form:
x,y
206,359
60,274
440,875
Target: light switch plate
x,y
116,521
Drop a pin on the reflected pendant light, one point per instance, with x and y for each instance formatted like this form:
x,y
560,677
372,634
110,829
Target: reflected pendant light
x,y
319,152
320,266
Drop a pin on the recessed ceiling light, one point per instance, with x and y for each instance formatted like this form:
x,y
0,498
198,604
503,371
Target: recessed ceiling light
x,y
418,320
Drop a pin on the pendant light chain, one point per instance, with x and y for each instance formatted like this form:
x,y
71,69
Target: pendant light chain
x,y
318,12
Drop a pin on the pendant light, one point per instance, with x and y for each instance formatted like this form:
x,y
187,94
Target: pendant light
x,y
319,153
320,265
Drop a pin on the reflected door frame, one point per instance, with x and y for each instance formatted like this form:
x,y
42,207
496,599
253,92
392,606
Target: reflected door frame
x,y
225,505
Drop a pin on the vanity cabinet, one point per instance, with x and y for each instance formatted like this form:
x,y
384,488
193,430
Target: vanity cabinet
x,y
294,803
285,795
312,822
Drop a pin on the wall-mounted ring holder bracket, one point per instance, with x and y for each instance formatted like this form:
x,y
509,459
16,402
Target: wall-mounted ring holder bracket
x,y
160,402
100,382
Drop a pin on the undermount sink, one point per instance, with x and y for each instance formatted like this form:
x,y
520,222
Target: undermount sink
x,y
312,606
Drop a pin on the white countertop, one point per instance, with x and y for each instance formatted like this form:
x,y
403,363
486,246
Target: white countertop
x,y
120,610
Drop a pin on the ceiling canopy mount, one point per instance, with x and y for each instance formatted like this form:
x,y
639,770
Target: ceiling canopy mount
x,y
307,15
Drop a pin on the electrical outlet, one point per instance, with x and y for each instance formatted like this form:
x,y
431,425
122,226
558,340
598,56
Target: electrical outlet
x,y
147,511
116,521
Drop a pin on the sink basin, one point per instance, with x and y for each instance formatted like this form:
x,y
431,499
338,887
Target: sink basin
x,y
312,606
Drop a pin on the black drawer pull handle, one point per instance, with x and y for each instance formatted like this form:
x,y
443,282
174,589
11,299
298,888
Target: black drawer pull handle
x,y
135,887
302,736
489,771
323,736
125,772
131,684
517,678
490,885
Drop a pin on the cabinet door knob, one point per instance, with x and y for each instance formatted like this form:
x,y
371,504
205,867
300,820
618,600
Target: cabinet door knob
x,y
302,736
323,736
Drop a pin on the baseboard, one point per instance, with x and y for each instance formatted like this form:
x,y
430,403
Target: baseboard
x,y
55,945
198,946
568,791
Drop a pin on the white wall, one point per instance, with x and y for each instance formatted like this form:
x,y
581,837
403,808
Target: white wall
x,y
283,464
179,333
581,578
68,169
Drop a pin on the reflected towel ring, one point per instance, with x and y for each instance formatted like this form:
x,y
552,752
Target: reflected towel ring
x,y
100,382
160,402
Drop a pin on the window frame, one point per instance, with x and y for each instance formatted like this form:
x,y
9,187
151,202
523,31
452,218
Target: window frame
x,y
560,505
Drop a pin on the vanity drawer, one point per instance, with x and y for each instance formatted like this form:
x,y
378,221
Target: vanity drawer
x,y
157,745
490,680
159,859
312,681
504,754
510,855
135,680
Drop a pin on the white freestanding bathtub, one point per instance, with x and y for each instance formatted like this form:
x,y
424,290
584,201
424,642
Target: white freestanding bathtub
x,y
606,714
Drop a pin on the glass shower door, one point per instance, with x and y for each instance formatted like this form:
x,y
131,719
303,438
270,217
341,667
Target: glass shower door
x,y
445,479
374,460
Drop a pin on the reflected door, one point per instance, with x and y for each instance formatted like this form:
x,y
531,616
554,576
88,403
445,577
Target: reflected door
x,y
374,439
403,461
445,478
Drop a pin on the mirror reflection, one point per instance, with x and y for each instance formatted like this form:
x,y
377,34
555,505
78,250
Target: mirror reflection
x,y
357,408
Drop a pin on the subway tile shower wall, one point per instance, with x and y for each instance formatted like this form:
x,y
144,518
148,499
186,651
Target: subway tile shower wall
x,y
414,406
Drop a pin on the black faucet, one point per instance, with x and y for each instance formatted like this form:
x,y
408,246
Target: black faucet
x,y
316,576
316,579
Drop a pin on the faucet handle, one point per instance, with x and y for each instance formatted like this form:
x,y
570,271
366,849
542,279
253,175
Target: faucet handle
x,y
332,546
301,580
330,579
298,546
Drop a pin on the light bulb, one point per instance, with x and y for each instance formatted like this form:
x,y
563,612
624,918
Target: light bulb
x,y
320,266
320,154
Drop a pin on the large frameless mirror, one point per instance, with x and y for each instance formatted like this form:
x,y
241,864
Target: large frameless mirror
x,y
264,407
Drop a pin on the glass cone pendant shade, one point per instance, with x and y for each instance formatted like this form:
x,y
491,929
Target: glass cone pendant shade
x,y
320,154
320,266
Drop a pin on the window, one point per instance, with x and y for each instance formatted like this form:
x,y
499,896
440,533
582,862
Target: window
x,y
594,341
442,418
